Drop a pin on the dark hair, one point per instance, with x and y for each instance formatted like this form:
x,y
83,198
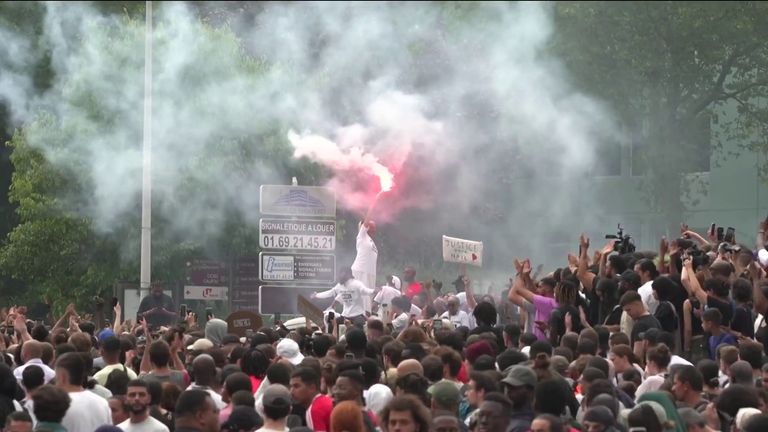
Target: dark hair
x,y
277,411
717,286
236,382
742,290
647,265
18,416
712,315
665,288
484,381
159,353
243,398
599,387
433,367
138,383
450,358
402,302
643,415
414,384
555,422
586,346
32,377
619,339
393,350
75,366
421,415
549,398
485,313
690,375
528,338
371,371
751,352
551,283
499,398
484,363
279,373
375,324
255,363
513,331
320,345
510,357
190,402
660,355
737,396
710,372
564,352
307,375
618,264
50,404
630,297
757,423
599,363
540,346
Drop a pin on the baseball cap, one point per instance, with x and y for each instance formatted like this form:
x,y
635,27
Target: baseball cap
x,y
105,334
445,393
396,282
519,376
289,350
201,345
276,395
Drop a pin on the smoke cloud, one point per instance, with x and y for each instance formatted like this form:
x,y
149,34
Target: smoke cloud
x,y
485,135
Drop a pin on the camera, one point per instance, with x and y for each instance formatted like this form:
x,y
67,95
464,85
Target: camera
x,y
623,243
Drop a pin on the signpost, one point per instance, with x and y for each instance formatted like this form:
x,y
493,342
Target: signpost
x,y
284,200
302,234
290,267
462,251
305,222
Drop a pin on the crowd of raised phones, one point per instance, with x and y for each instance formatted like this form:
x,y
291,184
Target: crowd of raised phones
x,y
669,340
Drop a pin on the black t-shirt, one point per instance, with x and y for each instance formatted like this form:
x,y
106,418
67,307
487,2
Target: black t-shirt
x,y
743,322
725,308
614,318
643,324
158,319
667,316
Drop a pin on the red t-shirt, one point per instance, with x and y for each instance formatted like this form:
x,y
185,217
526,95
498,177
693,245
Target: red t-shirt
x,y
255,383
414,288
463,375
319,413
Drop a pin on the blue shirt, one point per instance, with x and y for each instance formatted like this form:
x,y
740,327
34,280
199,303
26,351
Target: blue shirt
x,y
715,341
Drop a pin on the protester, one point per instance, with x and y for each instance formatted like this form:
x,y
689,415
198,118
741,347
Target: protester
x,y
138,399
87,411
51,404
352,294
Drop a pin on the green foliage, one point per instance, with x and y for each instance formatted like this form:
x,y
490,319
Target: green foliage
x,y
668,68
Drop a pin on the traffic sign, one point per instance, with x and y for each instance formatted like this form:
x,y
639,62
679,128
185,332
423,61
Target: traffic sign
x,y
195,292
283,200
297,234
288,267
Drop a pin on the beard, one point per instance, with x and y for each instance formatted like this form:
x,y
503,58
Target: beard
x,y
138,408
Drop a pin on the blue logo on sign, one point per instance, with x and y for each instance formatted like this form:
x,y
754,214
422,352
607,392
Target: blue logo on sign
x,y
299,198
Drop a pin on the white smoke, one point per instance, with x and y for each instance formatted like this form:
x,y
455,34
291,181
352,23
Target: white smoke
x,y
462,102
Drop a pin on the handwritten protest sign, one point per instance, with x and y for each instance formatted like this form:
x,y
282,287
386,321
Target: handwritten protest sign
x,y
462,251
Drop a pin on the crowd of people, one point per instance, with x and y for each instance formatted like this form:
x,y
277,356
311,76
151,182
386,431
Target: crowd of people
x,y
615,340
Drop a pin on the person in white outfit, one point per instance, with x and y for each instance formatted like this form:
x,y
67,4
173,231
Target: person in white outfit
x,y
351,293
364,266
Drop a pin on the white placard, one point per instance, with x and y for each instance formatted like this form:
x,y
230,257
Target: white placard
x,y
462,251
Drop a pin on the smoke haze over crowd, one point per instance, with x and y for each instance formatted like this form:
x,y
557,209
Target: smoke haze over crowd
x,y
463,104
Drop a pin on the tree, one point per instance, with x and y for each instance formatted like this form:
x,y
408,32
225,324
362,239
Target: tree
x,y
669,69
68,244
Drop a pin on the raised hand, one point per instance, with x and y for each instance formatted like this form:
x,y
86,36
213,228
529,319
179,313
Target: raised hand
x,y
117,309
527,267
609,246
518,266
584,242
663,246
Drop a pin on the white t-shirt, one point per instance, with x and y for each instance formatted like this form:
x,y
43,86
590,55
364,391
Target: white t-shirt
x,y
646,293
151,424
367,254
400,322
350,295
101,376
416,311
385,296
651,383
86,412
460,319
215,396
272,430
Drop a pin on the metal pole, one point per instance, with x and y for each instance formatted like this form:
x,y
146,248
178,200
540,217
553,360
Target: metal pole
x,y
146,186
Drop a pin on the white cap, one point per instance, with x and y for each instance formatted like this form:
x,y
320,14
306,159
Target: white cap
x,y
762,257
289,350
396,282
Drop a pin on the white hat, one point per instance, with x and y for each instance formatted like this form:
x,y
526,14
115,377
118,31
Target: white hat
x,y
396,282
289,350
200,345
762,257
744,414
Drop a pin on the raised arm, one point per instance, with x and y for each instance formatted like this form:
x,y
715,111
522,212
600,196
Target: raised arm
x,y
64,319
513,296
525,278
687,327
325,294
117,325
586,277
470,295
691,283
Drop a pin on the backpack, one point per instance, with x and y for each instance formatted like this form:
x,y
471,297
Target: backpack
x,y
117,381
